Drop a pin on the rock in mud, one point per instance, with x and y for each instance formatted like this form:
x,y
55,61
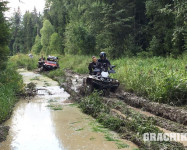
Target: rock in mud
x,y
3,133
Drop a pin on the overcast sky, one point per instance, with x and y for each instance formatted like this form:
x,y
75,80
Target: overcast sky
x,y
25,5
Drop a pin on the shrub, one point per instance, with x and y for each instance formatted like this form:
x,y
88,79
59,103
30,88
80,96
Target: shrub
x,y
93,105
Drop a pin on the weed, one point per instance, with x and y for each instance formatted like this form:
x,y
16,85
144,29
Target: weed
x,y
35,78
73,105
79,129
121,145
75,122
57,108
11,84
109,137
92,138
51,101
93,105
54,107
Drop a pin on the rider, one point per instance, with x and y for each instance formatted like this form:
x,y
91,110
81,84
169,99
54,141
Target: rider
x,y
103,60
92,65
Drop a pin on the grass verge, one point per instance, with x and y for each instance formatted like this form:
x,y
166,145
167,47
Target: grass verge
x,y
161,80
131,128
11,85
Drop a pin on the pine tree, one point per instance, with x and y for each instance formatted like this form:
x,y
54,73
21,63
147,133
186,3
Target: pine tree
x,y
4,36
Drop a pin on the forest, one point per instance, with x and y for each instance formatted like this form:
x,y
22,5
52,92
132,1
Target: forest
x,y
120,28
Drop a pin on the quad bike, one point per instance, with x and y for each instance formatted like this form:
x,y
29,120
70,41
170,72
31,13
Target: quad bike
x,y
102,80
50,64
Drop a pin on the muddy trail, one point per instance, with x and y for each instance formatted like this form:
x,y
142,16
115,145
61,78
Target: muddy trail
x,y
166,118
49,121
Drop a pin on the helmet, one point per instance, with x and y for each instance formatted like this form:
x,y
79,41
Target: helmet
x,y
102,55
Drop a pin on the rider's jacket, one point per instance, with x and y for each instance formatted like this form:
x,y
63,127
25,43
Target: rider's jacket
x,y
100,63
91,67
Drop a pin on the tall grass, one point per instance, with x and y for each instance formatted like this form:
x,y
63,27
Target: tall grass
x,y
160,79
11,84
23,61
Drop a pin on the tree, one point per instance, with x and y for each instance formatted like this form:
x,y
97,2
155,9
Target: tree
x,y
16,44
46,32
122,27
24,30
4,36
55,43
37,47
78,40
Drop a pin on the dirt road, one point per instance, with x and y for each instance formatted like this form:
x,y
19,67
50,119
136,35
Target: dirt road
x,y
49,121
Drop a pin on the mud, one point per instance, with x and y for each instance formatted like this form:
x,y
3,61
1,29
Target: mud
x,y
176,114
162,122
167,118
168,112
49,121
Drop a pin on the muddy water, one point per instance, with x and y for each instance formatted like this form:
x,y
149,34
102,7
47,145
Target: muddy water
x,y
48,122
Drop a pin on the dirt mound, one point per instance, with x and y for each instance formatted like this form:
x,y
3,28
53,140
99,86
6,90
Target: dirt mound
x,y
168,112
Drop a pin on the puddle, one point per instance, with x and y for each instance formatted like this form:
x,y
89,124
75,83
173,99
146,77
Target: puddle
x,y
36,126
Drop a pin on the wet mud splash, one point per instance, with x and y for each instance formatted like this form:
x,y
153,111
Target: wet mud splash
x,y
49,122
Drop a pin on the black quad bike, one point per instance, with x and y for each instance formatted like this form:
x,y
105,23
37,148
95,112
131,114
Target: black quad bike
x,y
101,80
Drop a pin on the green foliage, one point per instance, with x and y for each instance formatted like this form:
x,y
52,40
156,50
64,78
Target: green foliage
x,y
46,32
4,35
55,44
11,84
23,61
37,47
154,45
121,28
110,122
24,30
92,105
78,40
142,126
159,79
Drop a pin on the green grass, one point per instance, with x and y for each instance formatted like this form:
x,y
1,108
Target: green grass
x,y
11,85
23,61
79,129
160,79
54,107
121,145
134,127
109,137
92,138
35,78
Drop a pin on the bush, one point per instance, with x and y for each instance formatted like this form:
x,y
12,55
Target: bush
x,y
92,105
11,84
